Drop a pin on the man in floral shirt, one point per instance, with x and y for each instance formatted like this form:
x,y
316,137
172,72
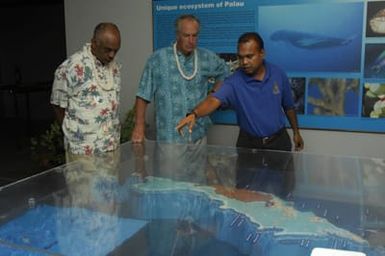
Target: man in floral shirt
x,y
85,94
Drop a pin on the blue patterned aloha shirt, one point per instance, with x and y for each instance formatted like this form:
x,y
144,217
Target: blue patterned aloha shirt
x,y
89,93
175,96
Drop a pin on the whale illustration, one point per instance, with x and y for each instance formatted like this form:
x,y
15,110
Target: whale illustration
x,y
309,40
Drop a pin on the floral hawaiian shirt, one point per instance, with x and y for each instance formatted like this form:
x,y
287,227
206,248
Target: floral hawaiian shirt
x,y
175,96
89,93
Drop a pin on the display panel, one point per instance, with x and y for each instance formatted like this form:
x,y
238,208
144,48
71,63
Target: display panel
x,y
333,52
164,199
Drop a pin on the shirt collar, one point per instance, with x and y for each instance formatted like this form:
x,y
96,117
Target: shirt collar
x,y
249,79
181,55
98,63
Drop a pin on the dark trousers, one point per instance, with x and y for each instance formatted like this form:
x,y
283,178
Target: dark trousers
x,y
265,169
278,141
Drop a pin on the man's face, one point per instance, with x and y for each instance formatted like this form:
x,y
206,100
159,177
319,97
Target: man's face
x,y
187,36
250,57
106,46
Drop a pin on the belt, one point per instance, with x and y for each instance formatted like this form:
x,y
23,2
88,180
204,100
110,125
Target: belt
x,y
270,138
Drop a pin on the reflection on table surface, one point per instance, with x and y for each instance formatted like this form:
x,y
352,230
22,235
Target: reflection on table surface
x,y
167,199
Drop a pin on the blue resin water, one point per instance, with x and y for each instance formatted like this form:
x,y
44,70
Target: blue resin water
x,y
254,228
48,230
178,218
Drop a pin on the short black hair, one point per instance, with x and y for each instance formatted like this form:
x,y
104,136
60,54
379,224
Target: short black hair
x,y
185,17
251,36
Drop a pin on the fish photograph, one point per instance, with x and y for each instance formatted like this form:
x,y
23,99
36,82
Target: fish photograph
x,y
305,39
297,85
374,61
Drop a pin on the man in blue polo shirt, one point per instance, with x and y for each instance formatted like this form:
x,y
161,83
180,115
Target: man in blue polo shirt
x,y
260,94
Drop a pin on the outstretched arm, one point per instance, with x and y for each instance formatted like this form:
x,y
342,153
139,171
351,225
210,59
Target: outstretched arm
x,y
297,139
140,123
204,108
216,86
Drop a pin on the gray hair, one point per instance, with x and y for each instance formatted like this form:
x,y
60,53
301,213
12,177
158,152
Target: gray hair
x,y
185,17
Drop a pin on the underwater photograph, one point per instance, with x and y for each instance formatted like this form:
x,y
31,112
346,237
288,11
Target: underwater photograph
x,y
373,100
374,61
333,97
303,38
298,91
375,19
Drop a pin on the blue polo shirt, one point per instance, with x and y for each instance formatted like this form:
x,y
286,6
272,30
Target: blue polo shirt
x,y
259,105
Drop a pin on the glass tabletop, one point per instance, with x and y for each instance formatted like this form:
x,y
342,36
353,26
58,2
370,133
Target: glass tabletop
x,y
167,199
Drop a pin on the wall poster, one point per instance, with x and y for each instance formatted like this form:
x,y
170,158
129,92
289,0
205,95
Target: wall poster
x,y
332,50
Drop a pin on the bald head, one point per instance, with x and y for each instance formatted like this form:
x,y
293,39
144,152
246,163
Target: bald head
x,y
105,42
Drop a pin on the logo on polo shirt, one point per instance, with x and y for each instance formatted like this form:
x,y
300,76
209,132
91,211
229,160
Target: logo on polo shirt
x,y
276,88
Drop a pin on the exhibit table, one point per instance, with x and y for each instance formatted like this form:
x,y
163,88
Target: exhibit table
x,y
167,199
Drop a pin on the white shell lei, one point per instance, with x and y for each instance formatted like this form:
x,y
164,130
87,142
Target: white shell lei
x,y
179,67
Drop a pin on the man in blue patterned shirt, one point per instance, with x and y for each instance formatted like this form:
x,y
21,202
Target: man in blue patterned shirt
x,y
177,78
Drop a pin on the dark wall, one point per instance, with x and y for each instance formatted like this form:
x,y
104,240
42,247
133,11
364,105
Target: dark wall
x,y
32,45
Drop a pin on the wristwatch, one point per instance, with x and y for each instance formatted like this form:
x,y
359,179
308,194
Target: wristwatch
x,y
192,113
